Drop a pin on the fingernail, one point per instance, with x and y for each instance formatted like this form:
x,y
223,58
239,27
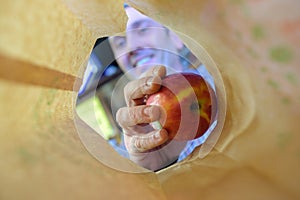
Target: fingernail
x,y
156,125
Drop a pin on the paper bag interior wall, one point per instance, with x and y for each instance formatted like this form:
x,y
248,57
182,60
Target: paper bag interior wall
x,y
44,47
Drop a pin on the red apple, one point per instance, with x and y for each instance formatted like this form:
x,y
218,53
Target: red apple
x,y
186,103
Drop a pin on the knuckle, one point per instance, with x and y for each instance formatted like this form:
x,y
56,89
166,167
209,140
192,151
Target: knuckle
x,y
138,144
129,116
152,85
145,114
157,70
144,143
133,115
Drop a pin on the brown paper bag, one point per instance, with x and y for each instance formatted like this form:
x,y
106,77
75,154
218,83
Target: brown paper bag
x,y
250,47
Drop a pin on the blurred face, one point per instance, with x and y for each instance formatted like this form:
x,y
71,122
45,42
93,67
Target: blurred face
x,y
146,43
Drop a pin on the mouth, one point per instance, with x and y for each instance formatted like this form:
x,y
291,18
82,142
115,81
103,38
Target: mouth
x,y
142,60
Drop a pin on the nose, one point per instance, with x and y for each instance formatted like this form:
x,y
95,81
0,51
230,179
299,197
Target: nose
x,y
133,42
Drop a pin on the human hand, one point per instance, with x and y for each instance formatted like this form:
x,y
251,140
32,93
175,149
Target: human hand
x,y
146,146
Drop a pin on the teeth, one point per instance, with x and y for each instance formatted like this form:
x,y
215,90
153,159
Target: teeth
x,y
143,61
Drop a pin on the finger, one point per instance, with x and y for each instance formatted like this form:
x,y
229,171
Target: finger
x,y
149,83
136,90
149,141
131,116
156,71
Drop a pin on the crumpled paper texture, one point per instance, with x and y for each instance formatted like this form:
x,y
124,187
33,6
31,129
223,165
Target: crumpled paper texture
x,y
254,55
